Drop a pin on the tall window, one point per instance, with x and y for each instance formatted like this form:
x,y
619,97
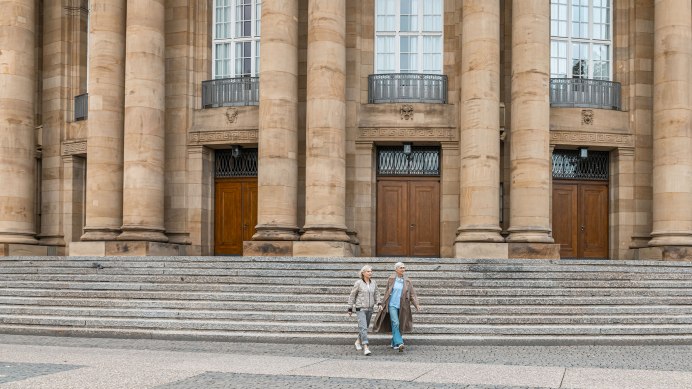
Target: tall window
x,y
408,36
236,38
581,39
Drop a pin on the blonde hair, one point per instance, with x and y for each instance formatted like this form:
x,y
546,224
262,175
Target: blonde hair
x,y
363,270
398,265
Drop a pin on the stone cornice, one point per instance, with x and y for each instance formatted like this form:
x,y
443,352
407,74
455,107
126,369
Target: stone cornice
x,y
246,136
591,138
432,134
74,147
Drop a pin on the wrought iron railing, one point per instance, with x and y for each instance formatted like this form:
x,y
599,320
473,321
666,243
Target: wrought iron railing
x,y
422,161
568,164
225,92
81,107
579,92
407,88
238,164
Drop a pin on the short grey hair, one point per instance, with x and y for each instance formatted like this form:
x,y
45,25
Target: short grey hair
x,y
398,265
363,270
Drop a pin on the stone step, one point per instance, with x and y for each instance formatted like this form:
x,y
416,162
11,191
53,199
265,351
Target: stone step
x,y
347,326
330,298
350,274
342,290
351,269
280,316
148,305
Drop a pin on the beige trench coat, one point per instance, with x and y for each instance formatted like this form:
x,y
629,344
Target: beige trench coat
x,y
408,297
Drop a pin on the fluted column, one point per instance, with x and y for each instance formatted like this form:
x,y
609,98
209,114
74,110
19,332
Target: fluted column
x,y
17,108
106,68
530,132
325,173
278,123
672,136
143,186
479,210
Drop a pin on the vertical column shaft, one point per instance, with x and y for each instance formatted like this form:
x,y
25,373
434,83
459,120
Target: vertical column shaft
x,y
143,186
278,123
530,123
325,175
17,108
479,209
672,135
106,68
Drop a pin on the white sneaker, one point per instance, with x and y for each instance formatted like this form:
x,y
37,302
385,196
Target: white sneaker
x,y
358,345
367,352
401,348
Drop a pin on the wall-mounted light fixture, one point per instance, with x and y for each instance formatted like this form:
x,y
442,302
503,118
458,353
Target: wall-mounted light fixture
x,y
408,150
236,151
583,152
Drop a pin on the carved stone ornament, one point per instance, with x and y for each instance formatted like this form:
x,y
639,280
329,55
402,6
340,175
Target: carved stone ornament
x,y
231,115
587,117
74,147
406,112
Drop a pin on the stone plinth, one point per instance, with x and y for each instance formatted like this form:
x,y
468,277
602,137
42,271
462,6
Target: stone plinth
x,y
534,251
125,249
25,250
274,248
324,249
665,253
475,250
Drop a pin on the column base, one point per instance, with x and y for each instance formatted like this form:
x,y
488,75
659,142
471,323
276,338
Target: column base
x,y
125,249
99,234
267,248
142,234
325,234
534,251
665,253
275,233
678,239
477,250
325,249
26,250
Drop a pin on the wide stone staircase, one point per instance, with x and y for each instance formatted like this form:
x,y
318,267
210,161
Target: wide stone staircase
x,y
276,299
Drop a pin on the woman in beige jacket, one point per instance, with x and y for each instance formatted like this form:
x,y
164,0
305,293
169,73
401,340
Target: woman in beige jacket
x,y
364,298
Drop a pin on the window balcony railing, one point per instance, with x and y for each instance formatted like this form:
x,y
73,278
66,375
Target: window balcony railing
x,y
407,88
579,92
225,92
81,107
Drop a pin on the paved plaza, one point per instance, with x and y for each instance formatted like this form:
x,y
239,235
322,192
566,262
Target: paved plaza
x,y
57,362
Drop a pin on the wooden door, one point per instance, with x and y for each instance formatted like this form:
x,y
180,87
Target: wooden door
x,y
235,214
408,217
580,218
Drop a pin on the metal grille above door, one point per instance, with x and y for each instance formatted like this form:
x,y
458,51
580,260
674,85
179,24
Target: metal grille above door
x,y
422,161
243,164
568,164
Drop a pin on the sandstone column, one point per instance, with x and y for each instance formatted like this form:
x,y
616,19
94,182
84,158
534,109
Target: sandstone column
x,y
479,208
17,105
106,64
143,186
672,144
278,123
530,160
325,176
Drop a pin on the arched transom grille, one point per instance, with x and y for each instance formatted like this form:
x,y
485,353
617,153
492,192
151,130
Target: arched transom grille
x,y
243,164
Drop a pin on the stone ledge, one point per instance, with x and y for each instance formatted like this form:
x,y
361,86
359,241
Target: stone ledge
x,y
665,253
125,249
268,248
25,250
479,250
324,249
534,251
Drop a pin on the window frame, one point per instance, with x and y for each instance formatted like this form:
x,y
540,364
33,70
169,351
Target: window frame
x,y
233,40
569,40
420,33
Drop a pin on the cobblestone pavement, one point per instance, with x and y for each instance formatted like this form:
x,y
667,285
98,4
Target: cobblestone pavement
x,y
55,362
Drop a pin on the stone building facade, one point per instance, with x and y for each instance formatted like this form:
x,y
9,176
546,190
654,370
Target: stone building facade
x,y
442,128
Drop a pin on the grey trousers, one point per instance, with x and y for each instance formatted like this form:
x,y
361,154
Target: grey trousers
x,y
364,316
